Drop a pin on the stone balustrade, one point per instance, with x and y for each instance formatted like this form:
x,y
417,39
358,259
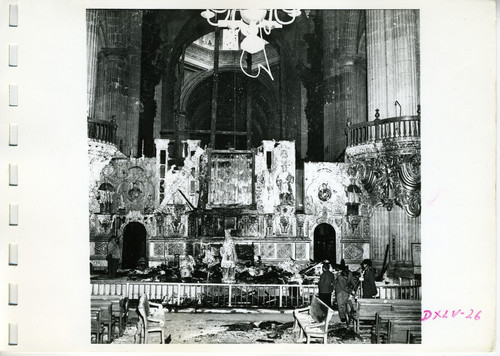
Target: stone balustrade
x,y
102,130
394,128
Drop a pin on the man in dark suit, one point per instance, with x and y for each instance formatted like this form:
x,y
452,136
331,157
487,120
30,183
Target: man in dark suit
x,y
368,279
326,281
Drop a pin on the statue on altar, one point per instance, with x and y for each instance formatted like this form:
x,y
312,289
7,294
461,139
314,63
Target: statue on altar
x,y
285,181
228,254
186,265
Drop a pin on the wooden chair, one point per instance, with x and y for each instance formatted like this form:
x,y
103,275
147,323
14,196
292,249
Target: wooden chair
x,y
143,326
95,325
119,312
398,319
398,330
414,336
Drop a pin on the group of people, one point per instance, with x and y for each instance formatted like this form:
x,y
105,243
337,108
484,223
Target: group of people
x,y
345,285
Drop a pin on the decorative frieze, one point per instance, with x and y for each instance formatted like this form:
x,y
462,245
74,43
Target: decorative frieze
x,y
284,251
176,248
353,251
268,250
301,251
158,249
100,248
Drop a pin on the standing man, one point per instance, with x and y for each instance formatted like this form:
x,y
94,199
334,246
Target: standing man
x,y
114,255
326,281
343,290
368,279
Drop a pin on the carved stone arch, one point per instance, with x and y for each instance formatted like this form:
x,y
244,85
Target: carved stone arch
x,y
336,223
189,87
134,234
133,216
195,103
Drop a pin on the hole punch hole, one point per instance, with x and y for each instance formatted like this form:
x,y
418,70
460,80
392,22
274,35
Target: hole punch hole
x,y
13,130
13,294
13,337
13,95
13,259
13,214
13,15
13,55
13,175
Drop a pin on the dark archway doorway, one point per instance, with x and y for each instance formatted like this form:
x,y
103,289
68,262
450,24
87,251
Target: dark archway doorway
x,y
134,244
324,243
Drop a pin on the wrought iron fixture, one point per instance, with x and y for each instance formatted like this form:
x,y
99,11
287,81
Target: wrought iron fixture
x,y
252,23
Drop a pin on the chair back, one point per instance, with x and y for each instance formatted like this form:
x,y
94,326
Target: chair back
x,y
143,312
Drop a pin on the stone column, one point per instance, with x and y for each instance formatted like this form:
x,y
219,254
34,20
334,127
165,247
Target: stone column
x,y
344,72
92,47
118,74
393,62
134,105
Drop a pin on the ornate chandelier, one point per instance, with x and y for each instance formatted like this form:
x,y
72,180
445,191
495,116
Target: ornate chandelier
x,y
252,24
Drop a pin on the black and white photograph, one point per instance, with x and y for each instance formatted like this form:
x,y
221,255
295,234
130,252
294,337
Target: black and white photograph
x,y
210,177
254,176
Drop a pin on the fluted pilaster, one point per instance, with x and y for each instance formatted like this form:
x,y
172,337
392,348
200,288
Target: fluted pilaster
x,y
92,47
344,77
117,88
393,62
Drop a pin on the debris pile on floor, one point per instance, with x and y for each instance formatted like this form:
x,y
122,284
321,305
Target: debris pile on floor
x,y
207,271
191,328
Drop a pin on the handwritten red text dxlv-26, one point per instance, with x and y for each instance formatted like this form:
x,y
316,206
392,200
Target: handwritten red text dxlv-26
x,y
450,314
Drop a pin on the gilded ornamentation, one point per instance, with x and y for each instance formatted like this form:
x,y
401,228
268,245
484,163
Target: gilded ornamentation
x,y
104,224
269,225
175,248
324,192
159,249
256,249
300,251
268,250
101,248
366,228
353,251
135,216
300,224
392,179
284,251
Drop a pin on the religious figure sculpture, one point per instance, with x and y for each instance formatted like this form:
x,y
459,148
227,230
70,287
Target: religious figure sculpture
x,y
228,254
284,181
186,265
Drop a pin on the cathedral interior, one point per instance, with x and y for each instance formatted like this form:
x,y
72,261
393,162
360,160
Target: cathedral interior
x,y
306,150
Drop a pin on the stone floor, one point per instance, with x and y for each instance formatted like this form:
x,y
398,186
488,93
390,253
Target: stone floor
x,y
238,328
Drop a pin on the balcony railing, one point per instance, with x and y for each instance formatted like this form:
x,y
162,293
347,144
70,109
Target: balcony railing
x,y
102,130
232,295
405,127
